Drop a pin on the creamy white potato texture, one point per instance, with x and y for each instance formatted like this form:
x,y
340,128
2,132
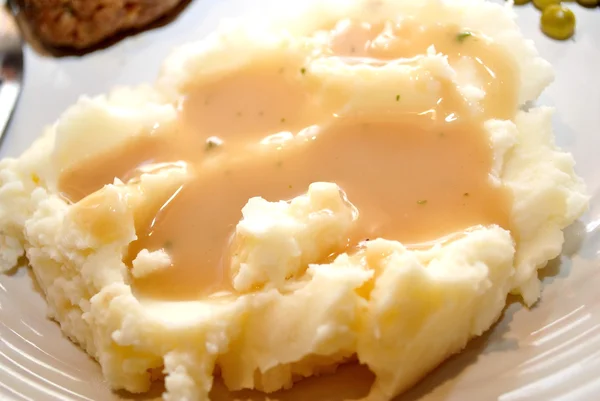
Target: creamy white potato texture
x,y
399,310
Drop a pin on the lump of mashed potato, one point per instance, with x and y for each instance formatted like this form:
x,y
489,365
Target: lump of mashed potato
x,y
293,193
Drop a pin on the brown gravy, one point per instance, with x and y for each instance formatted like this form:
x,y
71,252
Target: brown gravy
x,y
413,177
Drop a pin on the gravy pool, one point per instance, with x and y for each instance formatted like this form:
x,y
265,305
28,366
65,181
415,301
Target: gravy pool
x,y
266,130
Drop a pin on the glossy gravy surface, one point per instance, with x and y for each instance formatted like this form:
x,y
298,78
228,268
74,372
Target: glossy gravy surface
x,y
415,176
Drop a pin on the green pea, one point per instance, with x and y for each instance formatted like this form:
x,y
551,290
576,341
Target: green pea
x,y
558,22
588,3
543,4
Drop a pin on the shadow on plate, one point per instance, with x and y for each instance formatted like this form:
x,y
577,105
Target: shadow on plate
x,y
575,236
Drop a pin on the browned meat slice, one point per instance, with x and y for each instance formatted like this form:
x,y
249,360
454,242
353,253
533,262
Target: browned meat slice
x,y
83,23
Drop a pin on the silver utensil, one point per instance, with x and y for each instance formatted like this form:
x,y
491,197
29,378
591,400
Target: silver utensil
x,y
11,67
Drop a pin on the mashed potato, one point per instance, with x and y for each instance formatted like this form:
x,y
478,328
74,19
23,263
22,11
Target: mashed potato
x,y
299,301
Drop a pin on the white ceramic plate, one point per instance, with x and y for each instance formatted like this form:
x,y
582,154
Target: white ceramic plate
x,y
551,352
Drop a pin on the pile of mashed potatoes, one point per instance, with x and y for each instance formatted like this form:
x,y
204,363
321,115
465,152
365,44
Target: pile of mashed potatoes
x,y
298,300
